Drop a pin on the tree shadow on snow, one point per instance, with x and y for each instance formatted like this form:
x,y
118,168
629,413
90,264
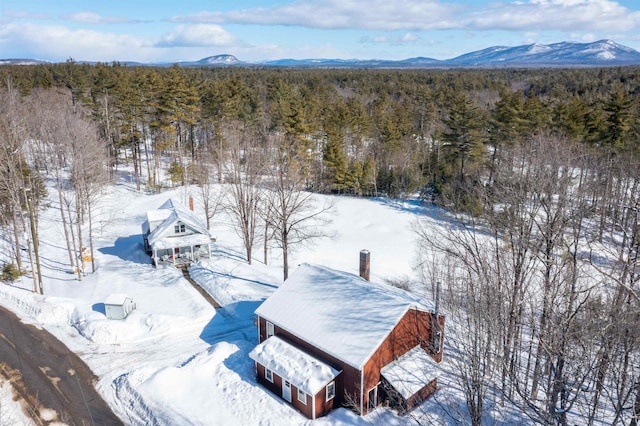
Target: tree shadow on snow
x,y
232,323
228,276
226,252
128,248
416,207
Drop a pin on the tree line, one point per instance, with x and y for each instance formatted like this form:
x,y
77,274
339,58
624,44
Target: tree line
x,y
366,132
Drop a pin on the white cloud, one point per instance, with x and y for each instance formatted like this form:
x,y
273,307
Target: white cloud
x,y
384,15
94,18
198,35
23,14
303,51
55,42
586,38
339,14
407,38
58,42
558,15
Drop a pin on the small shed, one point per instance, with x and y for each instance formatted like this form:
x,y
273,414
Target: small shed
x,y
118,306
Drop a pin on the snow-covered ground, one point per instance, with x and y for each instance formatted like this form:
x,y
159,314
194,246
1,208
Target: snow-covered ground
x,y
10,410
176,360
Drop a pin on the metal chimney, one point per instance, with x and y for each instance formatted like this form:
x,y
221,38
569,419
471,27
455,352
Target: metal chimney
x,y
436,314
365,263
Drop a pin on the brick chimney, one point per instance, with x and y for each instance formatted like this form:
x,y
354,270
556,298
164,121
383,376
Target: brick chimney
x,y
190,203
365,263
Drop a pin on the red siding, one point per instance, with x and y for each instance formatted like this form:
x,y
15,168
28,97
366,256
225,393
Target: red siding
x,y
275,387
305,409
347,382
396,400
415,328
423,394
322,406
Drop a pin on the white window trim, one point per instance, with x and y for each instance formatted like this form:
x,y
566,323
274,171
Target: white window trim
x,y
266,375
331,385
271,330
302,396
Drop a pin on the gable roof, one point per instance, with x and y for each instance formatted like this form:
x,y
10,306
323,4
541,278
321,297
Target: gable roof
x,y
174,212
340,313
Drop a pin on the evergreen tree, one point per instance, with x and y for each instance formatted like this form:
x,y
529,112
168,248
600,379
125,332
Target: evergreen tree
x,y
464,134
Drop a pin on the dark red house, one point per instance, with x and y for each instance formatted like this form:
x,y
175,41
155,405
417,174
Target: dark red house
x,y
329,339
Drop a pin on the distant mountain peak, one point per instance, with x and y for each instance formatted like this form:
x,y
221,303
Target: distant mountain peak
x,y
562,54
598,53
224,59
20,61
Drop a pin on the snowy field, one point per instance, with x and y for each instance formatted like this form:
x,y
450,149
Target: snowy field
x,y
177,361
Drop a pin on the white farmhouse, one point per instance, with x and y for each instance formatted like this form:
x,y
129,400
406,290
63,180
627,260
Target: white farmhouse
x,y
174,235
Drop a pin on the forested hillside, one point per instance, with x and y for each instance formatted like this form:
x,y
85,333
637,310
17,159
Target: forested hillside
x,y
540,169
361,132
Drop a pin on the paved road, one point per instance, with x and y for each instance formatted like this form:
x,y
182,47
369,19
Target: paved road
x,y
53,383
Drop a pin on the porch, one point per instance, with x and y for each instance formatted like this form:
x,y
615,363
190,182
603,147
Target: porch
x,y
180,256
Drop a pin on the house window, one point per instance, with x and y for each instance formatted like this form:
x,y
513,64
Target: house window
x,y
268,374
302,397
270,329
179,228
331,390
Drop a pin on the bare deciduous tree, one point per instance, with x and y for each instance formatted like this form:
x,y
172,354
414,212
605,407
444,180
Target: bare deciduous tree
x,y
295,216
561,335
244,168
462,257
66,143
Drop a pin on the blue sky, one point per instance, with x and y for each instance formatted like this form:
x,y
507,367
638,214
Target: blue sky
x,y
177,30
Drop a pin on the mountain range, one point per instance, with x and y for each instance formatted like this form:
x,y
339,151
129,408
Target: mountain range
x,y
563,54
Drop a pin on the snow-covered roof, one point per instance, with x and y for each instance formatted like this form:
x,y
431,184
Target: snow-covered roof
x,y
162,236
301,369
340,313
159,239
116,299
154,217
158,215
411,372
